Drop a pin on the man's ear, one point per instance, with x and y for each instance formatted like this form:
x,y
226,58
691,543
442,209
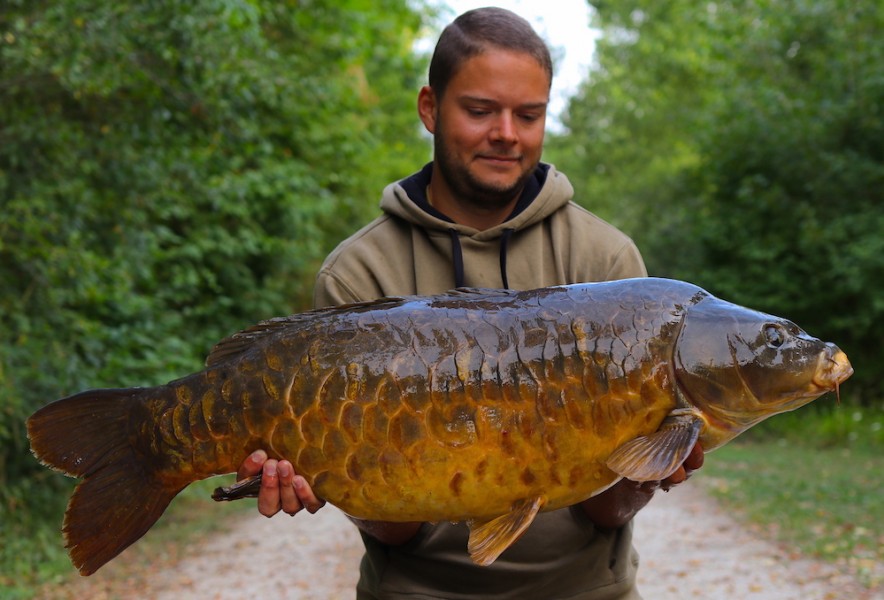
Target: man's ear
x,y
427,107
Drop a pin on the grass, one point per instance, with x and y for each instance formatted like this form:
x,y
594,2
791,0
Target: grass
x,y
813,482
34,563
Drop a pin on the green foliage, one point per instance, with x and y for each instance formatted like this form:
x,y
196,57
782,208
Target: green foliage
x,y
171,172
826,425
30,527
742,145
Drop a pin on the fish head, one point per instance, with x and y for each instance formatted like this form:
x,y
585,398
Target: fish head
x,y
737,366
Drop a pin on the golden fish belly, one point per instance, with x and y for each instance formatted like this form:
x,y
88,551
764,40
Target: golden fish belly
x,y
429,482
430,456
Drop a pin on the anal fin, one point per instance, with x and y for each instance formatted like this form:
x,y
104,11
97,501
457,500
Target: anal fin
x,y
657,456
488,539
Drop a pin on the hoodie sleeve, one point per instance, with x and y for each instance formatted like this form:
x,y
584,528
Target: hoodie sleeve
x,y
627,263
376,261
331,291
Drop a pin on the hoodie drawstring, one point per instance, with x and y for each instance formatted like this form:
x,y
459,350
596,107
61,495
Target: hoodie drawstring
x,y
504,242
457,257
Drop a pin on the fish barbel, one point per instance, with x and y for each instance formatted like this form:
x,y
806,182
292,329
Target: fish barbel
x,y
485,406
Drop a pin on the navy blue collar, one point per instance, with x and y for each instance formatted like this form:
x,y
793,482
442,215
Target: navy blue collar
x,y
416,188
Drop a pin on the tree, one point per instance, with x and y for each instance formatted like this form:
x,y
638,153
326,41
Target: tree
x,y
173,171
741,144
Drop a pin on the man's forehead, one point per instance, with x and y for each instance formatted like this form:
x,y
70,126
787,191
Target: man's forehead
x,y
493,55
498,75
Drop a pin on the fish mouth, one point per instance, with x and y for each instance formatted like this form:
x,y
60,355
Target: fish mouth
x,y
834,369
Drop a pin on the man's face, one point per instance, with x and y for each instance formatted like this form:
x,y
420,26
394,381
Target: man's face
x,y
488,127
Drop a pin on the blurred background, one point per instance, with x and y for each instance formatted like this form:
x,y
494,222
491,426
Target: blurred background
x,y
173,171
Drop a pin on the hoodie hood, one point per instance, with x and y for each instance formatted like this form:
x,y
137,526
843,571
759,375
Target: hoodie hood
x,y
544,193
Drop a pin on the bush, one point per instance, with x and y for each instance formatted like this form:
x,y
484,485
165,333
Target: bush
x,y
171,172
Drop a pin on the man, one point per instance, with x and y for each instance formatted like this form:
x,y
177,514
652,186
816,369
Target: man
x,y
484,213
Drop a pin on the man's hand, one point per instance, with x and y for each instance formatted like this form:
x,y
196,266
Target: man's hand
x,y
618,504
281,488
693,462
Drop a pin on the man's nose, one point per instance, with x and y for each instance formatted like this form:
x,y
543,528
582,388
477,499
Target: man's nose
x,y
504,128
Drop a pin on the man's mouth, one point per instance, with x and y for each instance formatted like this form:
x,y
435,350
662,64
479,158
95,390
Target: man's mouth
x,y
499,158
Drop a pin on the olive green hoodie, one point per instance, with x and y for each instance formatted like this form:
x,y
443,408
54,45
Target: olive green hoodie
x,y
414,249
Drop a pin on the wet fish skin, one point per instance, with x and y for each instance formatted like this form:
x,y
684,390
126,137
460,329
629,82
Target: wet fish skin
x,y
485,406
351,426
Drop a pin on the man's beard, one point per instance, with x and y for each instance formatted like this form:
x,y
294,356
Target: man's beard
x,y
467,187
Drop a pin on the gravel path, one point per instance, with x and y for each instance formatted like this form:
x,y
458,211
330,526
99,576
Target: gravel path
x,y
690,549
308,557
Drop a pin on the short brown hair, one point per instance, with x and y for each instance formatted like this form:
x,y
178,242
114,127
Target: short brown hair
x,y
473,32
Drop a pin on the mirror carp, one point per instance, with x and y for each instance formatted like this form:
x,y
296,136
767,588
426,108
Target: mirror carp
x,y
485,406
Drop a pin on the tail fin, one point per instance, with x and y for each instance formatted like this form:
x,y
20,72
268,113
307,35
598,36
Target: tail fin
x,y
89,435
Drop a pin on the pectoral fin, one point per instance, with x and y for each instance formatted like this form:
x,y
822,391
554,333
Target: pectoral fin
x,y
657,456
488,539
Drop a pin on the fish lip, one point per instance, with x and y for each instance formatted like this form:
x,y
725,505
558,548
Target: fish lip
x,y
834,369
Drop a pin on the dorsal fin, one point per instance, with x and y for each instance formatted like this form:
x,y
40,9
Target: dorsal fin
x,y
477,291
241,341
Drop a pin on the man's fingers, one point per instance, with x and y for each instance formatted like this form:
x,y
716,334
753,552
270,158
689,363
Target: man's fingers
x,y
288,499
693,462
281,489
678,477
306,496
268,497
695,459
252,465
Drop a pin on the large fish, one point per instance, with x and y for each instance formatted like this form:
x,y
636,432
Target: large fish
x,y
479,405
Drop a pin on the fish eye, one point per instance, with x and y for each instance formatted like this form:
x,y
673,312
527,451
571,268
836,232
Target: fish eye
x,y
774,335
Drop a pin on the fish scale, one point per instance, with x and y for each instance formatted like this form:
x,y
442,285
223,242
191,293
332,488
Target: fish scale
x,y
478,405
